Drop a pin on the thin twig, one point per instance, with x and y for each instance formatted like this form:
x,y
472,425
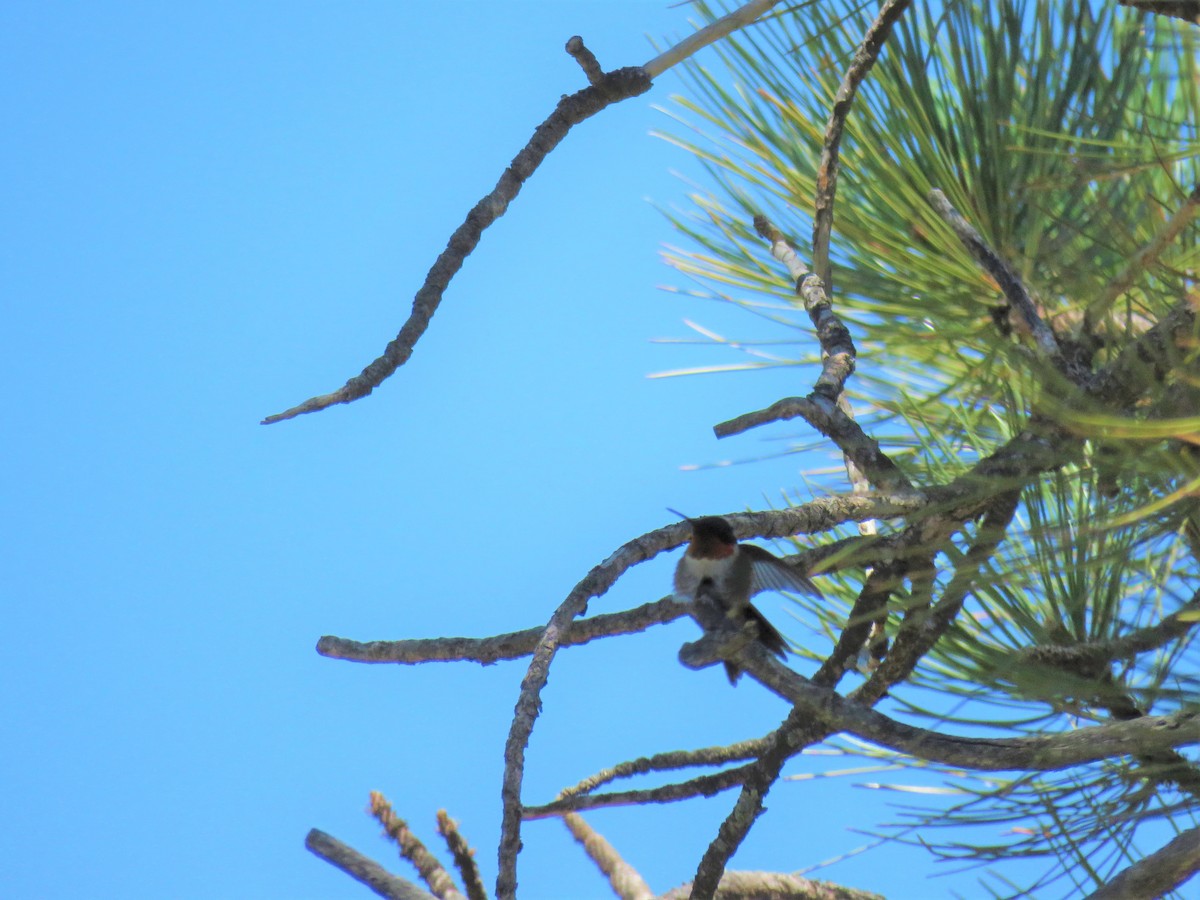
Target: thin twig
x,y
411,848
864,58
625,881
871,601
859,448
571,110
798,730
464,856
362,869
586,59
1156,874
701,786
513,645
665,762
611,87
920,633
1002,273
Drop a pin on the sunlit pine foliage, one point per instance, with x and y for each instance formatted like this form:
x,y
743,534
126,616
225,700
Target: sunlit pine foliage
x,y
1066,134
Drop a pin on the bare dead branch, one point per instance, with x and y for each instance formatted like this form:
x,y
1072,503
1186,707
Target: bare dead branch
x,y
604,89
412,849
1094,655
571,110
773,886
919,633
665,762
825,416
702,786
513,645
782,249
797,731
1002,273
586,59
624,879
1158,873
827,172
870,603
464,856
835,714
362,869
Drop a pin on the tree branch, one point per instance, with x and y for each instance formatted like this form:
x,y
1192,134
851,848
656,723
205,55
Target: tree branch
x,y
920,632
797,731
464,856
824,415
835,713
665,762
702,786
362,869
571,110
623,878
827,173
1158,873
1179,220
604,89
1188,10
1010,283
412,849
773,886
1094,656
513,645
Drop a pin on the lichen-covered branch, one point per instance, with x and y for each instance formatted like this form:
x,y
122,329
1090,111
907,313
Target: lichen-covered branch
x,y
1156,874
827,172
701,786
412,849
665,762
571,110
604,89
464,856
774,886
826,417
1002,273
625,881
512,645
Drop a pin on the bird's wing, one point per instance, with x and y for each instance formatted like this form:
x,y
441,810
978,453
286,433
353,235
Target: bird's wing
x,y
772,574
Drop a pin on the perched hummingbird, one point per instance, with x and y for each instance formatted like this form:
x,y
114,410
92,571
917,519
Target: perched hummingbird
x,y
736,572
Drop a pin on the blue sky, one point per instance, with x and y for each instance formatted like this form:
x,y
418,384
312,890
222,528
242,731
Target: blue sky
x,y
210,213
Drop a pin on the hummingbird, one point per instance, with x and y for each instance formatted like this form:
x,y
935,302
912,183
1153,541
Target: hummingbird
x,y
736,572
